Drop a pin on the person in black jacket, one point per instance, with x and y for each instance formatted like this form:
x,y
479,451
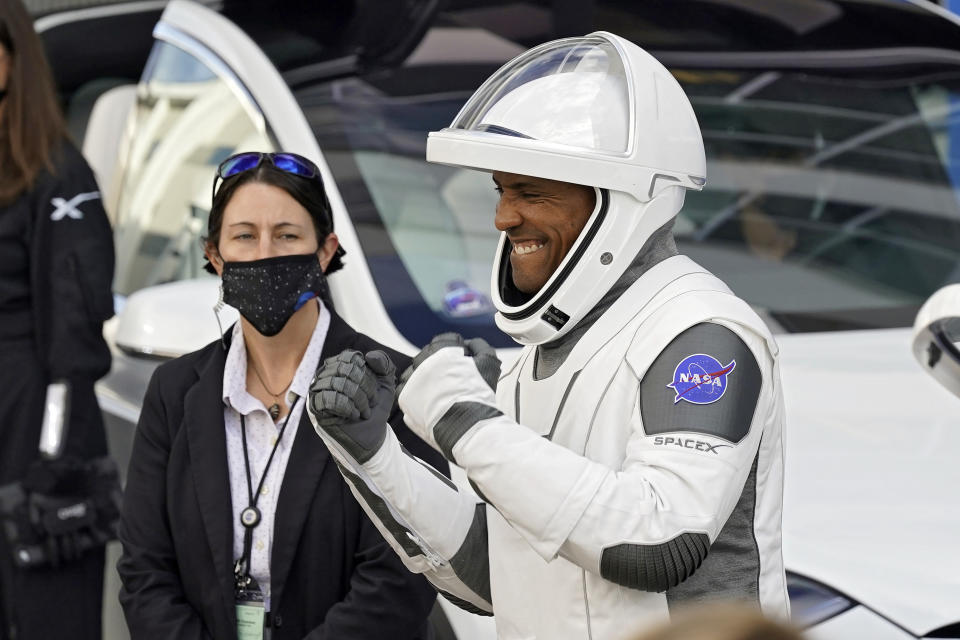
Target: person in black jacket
x,y
235,517
56,268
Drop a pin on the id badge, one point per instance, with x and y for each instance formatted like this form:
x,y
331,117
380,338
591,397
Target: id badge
x,y
250,614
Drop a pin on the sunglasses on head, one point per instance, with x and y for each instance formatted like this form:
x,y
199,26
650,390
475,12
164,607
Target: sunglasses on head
x,y
287,162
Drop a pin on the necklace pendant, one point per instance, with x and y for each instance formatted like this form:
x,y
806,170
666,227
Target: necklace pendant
x,y
274,410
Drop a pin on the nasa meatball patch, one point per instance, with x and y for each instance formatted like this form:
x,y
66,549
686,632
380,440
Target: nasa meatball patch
x,y
706,380
701,379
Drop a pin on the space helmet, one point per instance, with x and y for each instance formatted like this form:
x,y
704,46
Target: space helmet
x,y
598,111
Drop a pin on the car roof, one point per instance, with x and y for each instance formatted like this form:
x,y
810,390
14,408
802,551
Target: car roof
x,y
308,41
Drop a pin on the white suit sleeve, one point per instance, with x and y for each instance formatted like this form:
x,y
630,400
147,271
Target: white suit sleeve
x,y
434,528
647,524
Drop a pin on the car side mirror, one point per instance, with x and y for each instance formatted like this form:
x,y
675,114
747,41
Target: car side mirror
x,y
169,320
936,337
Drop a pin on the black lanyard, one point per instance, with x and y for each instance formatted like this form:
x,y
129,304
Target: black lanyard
x,y
250,516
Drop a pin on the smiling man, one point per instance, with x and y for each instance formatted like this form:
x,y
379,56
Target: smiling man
x,y
542,219
631,459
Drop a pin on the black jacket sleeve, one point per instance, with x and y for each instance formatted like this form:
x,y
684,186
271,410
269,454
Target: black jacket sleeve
x,y
385,600
152,594
72,270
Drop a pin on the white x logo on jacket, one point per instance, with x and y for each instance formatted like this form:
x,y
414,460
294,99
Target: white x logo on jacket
x,y
69,207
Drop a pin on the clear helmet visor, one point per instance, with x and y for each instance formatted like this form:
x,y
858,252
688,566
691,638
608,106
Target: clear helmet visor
x,y
572,92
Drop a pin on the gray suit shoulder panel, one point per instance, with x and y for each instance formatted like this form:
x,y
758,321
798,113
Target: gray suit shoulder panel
x,y
705,381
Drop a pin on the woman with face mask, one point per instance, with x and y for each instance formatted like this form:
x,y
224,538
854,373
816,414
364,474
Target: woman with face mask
x,y
236,522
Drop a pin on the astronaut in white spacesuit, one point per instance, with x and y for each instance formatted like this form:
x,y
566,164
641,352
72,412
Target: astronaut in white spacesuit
x,y
631,459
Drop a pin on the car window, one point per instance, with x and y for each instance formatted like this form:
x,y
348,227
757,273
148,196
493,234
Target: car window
x,y
831,202
426,229
831,199
186,121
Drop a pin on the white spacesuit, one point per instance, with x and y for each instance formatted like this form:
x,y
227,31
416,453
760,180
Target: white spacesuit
x,y
631,459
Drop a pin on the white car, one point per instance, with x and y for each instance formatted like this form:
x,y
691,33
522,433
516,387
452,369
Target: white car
x,y
832,130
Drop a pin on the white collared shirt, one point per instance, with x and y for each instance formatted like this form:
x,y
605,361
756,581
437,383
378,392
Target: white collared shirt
x,y
261,436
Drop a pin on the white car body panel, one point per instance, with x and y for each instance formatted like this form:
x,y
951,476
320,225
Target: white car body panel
x,y
105,129
887,536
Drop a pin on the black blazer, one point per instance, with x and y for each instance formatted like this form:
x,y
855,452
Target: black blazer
x,y
332,575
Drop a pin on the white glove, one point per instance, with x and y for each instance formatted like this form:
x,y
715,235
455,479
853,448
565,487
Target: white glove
x,y
449,390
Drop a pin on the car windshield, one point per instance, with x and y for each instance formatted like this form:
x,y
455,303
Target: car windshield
x,y
831,199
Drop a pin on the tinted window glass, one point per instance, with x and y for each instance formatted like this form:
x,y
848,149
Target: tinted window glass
x,y
427,230
830,203
831,200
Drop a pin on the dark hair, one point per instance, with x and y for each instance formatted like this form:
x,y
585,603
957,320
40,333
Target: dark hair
x,y
309,192
32,126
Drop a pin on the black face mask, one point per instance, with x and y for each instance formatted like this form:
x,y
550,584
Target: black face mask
x,y
267,292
